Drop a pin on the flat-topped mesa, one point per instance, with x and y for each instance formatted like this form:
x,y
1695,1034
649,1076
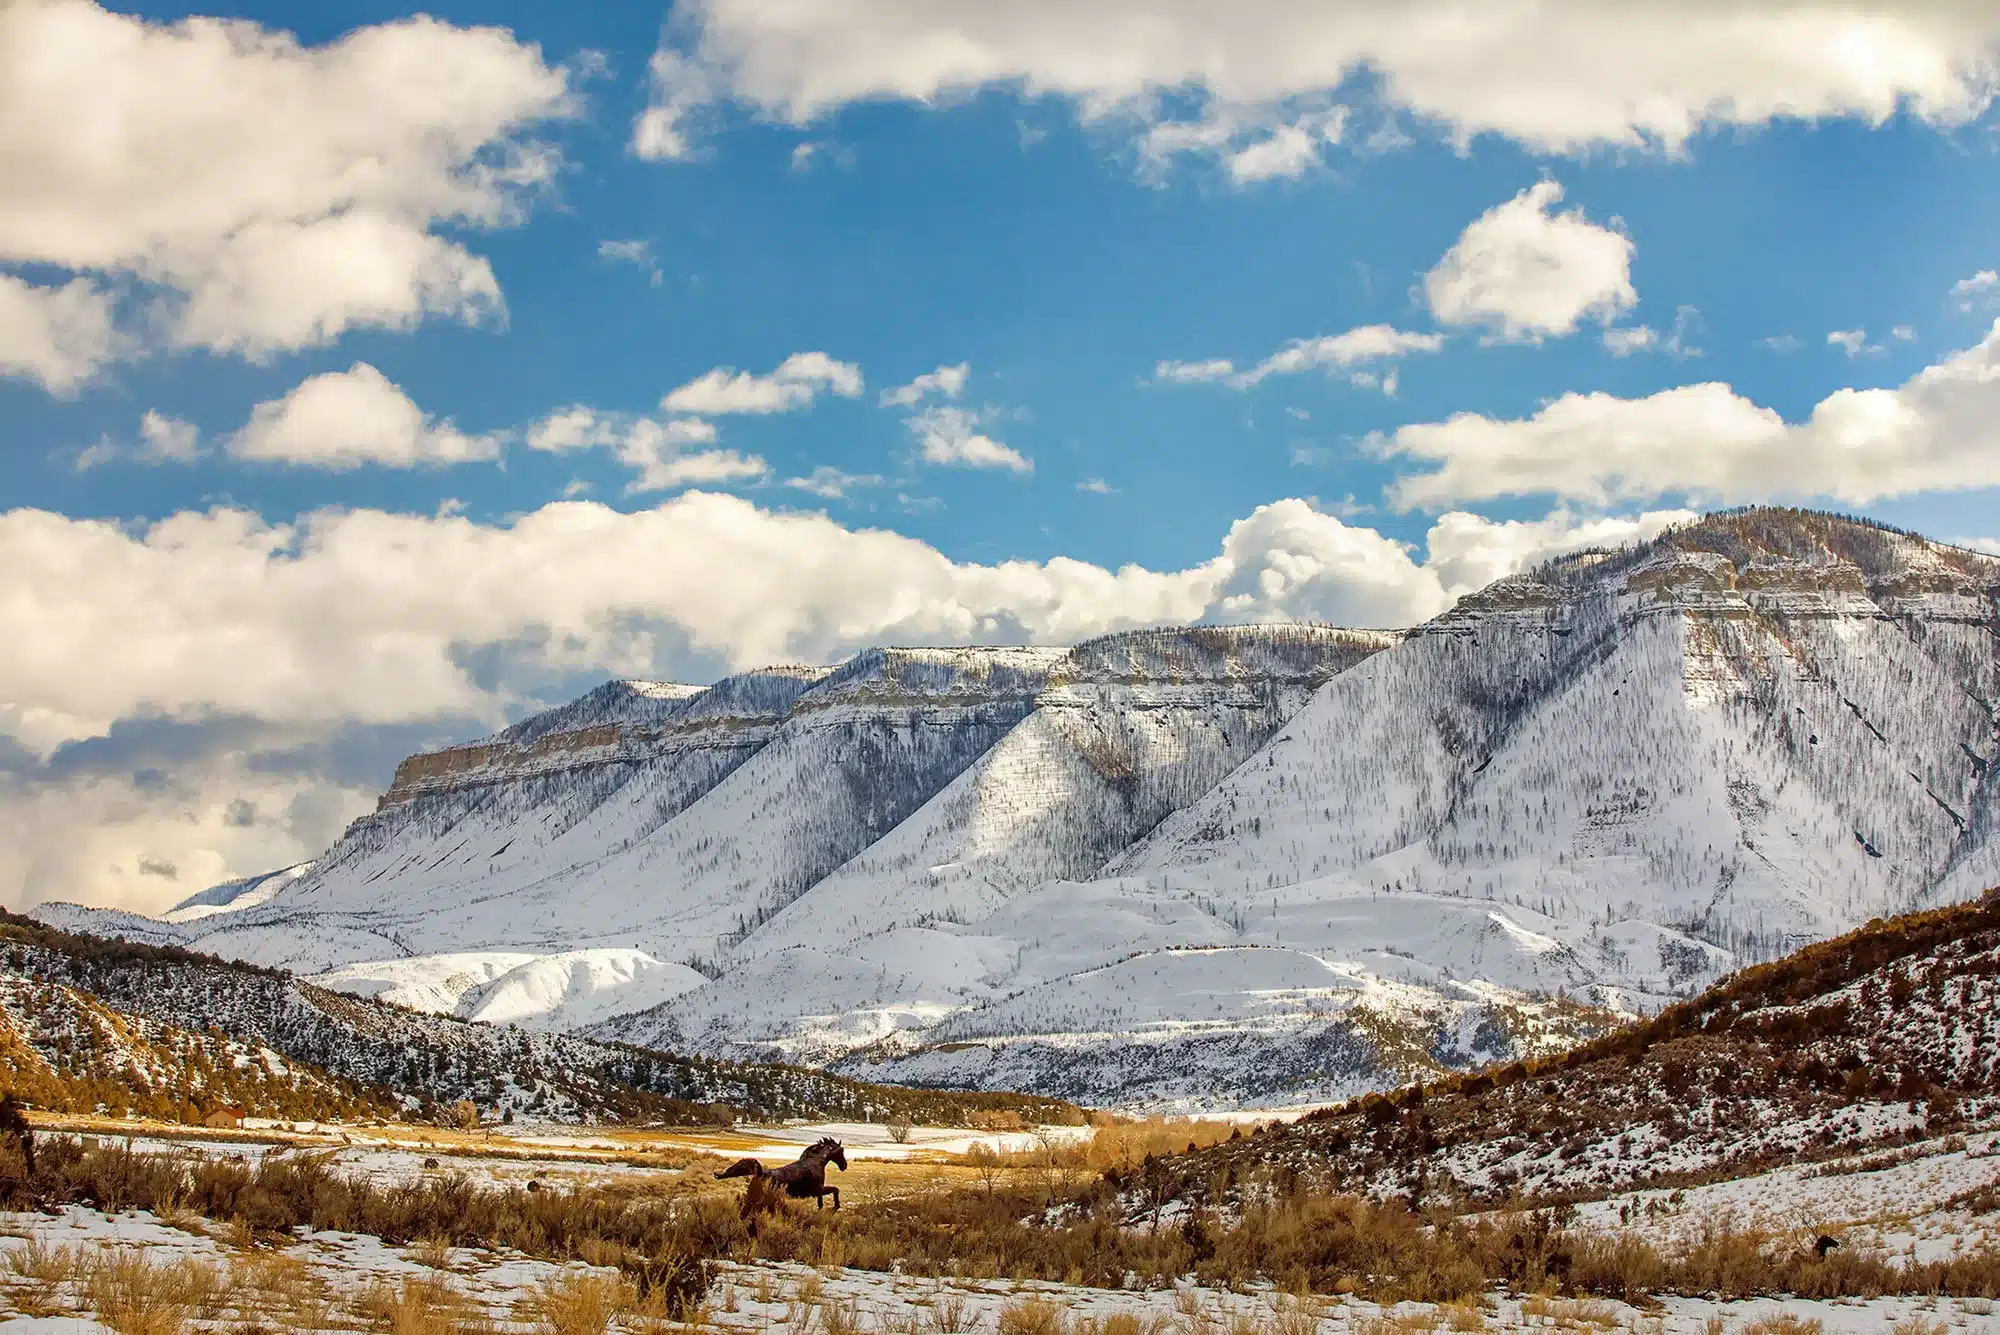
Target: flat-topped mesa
x,y
926,678
613,703
620,722
1300,653
1753,564
1797,562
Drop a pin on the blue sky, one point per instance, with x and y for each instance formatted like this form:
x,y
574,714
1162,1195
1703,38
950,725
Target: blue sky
x,y
983,190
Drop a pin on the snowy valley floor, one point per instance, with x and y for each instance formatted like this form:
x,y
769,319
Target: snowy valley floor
x,y
82,1271
76,1269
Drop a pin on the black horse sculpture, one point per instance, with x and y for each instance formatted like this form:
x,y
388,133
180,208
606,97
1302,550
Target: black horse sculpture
x,y
806,1177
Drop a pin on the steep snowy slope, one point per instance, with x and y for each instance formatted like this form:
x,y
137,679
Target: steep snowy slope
x,y
860,752
1762,729
483,846
234,896
652,820
1128,729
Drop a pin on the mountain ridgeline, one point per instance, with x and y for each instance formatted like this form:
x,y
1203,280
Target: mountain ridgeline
x,y
1202,865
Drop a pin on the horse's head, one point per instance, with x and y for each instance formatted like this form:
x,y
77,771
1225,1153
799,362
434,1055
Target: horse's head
x,y
743,1168
830,1151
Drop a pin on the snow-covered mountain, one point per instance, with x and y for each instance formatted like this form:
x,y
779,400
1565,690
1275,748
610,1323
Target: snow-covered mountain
x,y
1205,864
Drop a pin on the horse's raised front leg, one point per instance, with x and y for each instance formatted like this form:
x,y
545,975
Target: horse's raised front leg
x,y
836,1196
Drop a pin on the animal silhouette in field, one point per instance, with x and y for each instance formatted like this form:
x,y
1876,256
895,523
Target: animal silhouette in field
x,y
806,1177
14,1127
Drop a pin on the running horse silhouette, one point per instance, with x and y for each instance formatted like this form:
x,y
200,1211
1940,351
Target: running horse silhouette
x,y
806,1177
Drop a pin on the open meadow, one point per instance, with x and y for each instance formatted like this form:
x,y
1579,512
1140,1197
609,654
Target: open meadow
x,y
424,1231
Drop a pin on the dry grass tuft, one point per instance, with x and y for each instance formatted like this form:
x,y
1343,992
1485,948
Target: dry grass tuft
x,y
1033,1316
1296,1316
433,1252
1568,1313
1784,1323
1464,1316
580,1304
1917,1325
44,1270
421,1305
842,1318
38,1261
1421,1322
134,1295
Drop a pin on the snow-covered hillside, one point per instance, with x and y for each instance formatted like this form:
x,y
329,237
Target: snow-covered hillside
x,y
83,1024
1865,1042
232,896
1203,864
559,992
1758,731
1127,730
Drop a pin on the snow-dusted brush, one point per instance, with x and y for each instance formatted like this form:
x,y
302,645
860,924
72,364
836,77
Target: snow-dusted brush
x,y
1855,1083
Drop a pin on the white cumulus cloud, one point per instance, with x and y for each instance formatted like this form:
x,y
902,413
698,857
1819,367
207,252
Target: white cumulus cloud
x,y
1978,290
636,252
947,434
832,484
1330,352
358,615
663,455
1524,271
796,382
162,440
947,382
345,419
55,336
1935,432
1559,76
1253,144
254,193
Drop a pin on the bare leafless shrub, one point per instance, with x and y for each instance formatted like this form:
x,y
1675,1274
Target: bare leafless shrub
x,y
951,1316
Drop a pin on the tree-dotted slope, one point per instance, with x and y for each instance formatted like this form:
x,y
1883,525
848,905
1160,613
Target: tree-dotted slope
x,y
423,1060
1886,1033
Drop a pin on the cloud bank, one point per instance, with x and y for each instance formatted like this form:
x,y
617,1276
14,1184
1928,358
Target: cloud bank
x,y
1559,77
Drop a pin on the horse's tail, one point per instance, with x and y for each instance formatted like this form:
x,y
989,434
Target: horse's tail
x,y
743,1168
